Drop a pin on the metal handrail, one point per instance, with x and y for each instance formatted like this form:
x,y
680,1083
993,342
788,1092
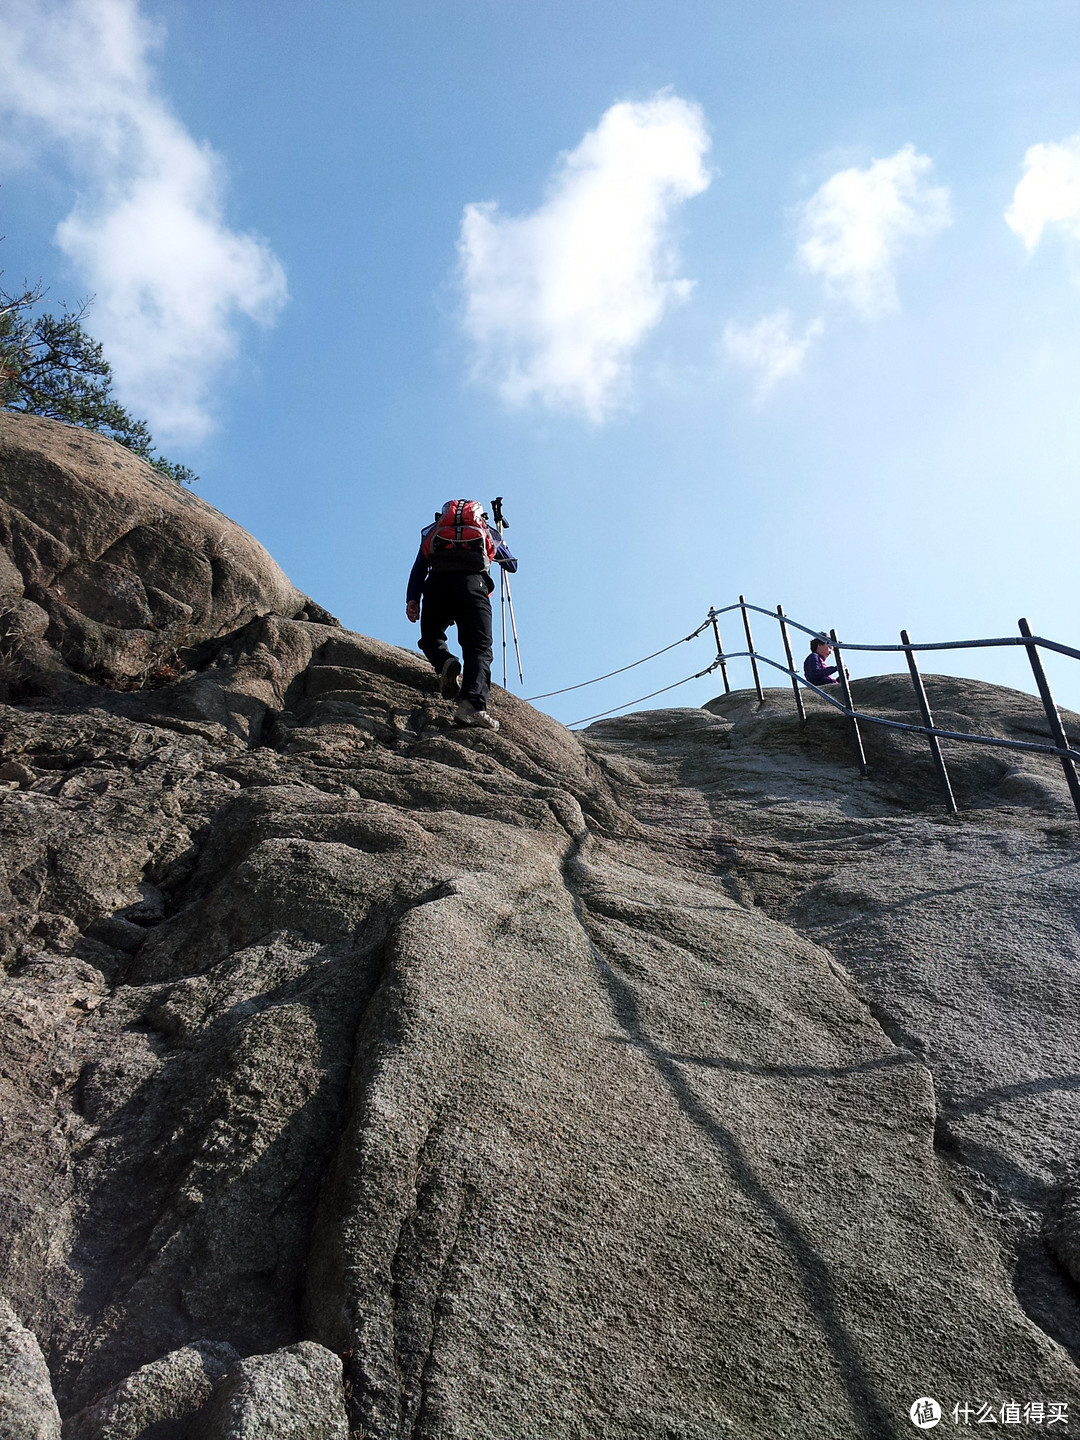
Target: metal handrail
x,y
934,734
899,649
1065,752
900,724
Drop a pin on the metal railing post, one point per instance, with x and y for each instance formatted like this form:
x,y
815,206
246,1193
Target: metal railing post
x,y
791,664
1057,729
750,647
928,721
841,675
720,650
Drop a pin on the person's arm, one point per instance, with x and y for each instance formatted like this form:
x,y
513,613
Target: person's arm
x,y
417,576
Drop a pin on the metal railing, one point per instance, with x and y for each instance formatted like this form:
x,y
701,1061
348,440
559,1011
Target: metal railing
x,y
1066,754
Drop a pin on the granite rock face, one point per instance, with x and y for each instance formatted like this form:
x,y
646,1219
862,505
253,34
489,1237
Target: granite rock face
x,y
27,1407
107,567
668,1081
959,932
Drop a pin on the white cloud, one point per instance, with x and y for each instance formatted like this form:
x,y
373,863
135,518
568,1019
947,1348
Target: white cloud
x,y
557,301
1048,194
147,234
771,348
858,224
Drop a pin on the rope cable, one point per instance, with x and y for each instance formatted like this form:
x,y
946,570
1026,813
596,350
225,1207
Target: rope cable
x,y
663,691
621,670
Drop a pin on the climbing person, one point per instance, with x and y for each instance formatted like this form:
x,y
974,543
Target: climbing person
x,y
451,576
815,668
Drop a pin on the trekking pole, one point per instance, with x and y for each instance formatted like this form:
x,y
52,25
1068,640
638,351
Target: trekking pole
x,y
502,617
501,524
513,625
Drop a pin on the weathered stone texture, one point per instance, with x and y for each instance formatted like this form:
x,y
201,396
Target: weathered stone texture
x,y
160,1401
669,1081
117,565
27,1408
294,1394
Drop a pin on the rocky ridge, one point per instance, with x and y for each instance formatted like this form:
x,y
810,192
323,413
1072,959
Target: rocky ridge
x,y
361,1075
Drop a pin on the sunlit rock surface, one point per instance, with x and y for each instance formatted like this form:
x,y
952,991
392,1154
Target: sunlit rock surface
x,y
669,1081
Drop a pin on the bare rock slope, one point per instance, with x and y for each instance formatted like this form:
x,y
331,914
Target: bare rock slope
x,y
114,565
365,1076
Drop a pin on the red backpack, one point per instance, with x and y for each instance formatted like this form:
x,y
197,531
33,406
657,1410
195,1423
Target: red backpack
x,y
459,539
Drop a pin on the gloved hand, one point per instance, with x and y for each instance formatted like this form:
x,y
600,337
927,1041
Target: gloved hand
x,y
412,610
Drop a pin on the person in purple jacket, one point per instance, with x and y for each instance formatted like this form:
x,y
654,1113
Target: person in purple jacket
x,y
815,668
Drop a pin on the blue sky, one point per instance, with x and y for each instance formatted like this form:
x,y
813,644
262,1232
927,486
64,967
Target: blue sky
x,y
721,299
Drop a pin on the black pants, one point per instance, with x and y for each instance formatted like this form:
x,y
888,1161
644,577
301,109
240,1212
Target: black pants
x,y
461,600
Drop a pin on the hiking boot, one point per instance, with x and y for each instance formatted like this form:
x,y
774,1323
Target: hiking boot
x,y
450,679
466,714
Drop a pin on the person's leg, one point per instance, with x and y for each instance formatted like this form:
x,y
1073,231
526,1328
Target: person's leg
x,y
436,613
473,615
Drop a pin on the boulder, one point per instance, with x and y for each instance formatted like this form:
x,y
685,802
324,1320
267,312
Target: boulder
x,y
158,1400
294,1394
118,564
